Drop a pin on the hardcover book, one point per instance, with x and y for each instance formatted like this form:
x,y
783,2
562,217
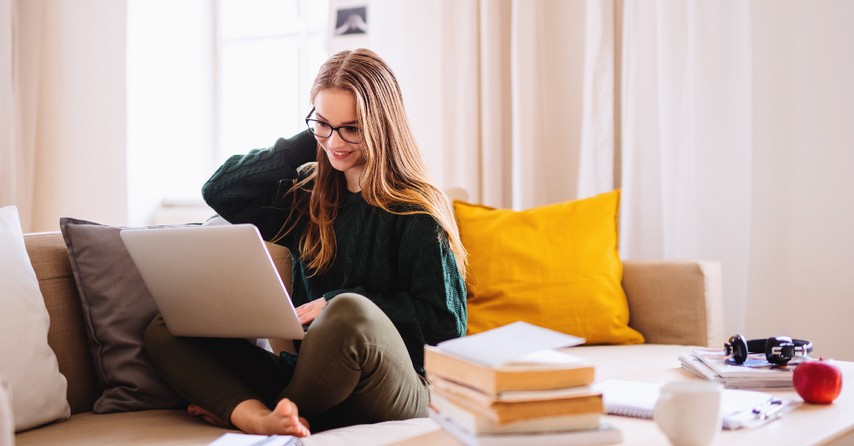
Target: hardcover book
x,y
601,435
502,412
539,370
476,423
476,395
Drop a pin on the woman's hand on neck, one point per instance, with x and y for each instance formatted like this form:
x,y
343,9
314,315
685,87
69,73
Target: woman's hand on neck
x,y
354,179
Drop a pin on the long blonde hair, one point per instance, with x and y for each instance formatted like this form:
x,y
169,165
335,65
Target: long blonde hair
x,y
394,178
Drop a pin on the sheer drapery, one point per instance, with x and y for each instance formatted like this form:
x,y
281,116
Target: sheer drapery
x,y
524,103
599,164
20,34
510,100
62,111
687,137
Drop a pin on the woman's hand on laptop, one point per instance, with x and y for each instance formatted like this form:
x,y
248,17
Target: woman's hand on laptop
x,y
308,312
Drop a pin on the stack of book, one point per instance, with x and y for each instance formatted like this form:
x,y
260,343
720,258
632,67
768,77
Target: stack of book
x,y
544,397
755,373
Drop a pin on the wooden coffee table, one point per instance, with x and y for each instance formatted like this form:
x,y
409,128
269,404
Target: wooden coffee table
x,y
808,424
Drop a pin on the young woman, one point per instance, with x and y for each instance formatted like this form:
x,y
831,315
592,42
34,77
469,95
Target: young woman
x,y
379,269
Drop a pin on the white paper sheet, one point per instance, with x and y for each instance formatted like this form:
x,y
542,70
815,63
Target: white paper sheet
x,y
237,439
503,344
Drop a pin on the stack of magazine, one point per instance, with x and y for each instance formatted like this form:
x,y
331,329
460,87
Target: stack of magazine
x,y
754,373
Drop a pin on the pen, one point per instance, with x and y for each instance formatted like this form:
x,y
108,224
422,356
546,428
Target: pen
x,y
769,409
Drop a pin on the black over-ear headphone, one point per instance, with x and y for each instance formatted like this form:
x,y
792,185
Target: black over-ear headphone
x,y
778,350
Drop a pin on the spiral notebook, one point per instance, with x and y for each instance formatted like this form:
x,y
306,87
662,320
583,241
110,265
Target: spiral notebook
x,y
740,408
237,439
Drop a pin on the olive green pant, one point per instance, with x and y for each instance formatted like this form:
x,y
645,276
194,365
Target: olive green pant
x,y
352,368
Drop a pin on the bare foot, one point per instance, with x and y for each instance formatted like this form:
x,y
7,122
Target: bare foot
x,y
253,417
198,411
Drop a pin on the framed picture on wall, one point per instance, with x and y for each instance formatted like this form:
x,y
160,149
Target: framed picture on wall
x,y
348,24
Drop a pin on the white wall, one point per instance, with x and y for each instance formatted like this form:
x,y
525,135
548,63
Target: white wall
x,y
81,122
802,234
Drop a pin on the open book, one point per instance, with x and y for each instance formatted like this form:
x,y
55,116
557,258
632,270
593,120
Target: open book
x,y
514,357
475,422
739,408
507,343
541,370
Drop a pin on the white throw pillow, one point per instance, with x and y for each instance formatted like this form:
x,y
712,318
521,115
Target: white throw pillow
x,y
7,421
26,360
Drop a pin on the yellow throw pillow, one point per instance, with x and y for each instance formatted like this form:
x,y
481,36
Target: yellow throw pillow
x,y
556,266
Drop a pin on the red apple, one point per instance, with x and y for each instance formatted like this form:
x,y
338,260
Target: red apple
x,y
818,382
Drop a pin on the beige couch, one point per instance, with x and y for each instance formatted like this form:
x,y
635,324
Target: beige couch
x,y
673,304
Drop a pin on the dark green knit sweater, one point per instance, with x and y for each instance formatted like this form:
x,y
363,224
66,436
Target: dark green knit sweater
x,y
403,263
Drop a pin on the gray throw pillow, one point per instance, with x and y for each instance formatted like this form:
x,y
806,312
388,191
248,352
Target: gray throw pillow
x,y
116,308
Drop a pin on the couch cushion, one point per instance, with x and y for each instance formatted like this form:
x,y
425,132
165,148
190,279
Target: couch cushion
x,y
555,266
147,427
175,428
116,308
28,363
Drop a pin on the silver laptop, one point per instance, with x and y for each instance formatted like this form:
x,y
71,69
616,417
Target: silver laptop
x,y
214,281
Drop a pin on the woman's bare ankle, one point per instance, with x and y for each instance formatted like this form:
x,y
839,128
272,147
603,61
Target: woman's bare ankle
x,y
253,417
246,416
209,417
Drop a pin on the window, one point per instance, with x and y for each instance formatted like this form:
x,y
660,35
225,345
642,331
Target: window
x,y
207,79
269,52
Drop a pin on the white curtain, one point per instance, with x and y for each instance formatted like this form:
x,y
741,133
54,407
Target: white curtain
x,y
62,111
599,165
511,100
687,137
524,103
20,30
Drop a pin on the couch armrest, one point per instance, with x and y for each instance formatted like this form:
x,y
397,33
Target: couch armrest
x,y
675,302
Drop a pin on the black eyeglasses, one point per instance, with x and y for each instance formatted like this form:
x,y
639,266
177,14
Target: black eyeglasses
x,y
322,129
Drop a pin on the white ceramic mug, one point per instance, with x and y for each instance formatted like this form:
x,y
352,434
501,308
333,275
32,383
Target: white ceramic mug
x,y
689,412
